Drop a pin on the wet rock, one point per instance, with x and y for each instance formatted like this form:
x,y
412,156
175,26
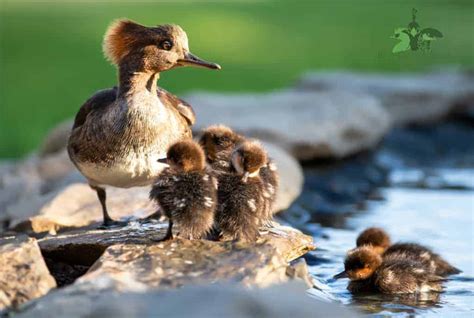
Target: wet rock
x,y
409,98
75,206
23,275
217,300
133,257
307,124
291,177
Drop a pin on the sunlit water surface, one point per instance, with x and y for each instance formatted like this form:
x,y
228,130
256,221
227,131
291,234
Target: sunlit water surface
x,y
442,219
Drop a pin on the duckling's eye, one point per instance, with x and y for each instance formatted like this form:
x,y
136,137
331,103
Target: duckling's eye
x,y
166,45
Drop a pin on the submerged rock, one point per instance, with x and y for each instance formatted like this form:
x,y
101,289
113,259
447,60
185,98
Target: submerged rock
x,y
23,272
408,97
307,124
216,300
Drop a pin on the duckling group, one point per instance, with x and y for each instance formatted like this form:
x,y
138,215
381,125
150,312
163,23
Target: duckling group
x,y
224,185
376,265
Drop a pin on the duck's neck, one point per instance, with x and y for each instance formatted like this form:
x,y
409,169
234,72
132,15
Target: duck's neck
x,y
133,82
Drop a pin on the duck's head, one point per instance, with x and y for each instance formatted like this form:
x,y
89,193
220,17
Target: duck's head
x,y
375,237
248,158
185,156
360,263
153,49
217,139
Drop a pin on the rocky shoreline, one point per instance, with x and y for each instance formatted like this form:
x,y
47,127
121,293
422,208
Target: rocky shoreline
x,y
48,215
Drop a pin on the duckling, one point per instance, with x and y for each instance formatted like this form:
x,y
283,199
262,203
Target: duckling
x,y
218,142
119,133
240,194
186,192
369,272
380,241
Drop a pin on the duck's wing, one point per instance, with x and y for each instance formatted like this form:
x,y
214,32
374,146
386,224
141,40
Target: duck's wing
x,y
180,105
99,101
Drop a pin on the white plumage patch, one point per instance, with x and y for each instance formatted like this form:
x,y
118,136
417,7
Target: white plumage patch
x,y
205,178
252,205
208,202
272,166
179,203
389,276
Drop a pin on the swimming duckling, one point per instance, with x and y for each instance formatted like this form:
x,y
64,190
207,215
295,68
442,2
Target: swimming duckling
x,y
380,241
240,194
119,133
369,272
218,142
186,192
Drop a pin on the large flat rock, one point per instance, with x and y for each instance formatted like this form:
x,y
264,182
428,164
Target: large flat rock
x,y
408,97
23,272
134,256
307,124
76,205
216,300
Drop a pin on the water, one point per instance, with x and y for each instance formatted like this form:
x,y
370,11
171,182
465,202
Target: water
x,y
434,207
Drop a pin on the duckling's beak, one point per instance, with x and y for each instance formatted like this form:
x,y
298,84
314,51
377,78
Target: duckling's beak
x,y
342,274
190,59
163,160
245,177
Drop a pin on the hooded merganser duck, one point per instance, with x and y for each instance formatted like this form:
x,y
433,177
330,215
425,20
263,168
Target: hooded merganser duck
x,y
369,272
380,241
219,142
119,133
186,192
240,194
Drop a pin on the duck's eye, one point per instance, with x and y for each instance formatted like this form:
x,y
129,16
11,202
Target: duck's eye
x,y
166,45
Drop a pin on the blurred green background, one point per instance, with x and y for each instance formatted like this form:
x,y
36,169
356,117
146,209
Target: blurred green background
x,y
51,59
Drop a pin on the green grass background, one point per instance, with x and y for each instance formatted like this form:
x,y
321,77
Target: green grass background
x,y
51,59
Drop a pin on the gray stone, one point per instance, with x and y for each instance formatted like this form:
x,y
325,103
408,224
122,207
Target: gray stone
x,y
23,275
307,124
76,205
408,97
217,300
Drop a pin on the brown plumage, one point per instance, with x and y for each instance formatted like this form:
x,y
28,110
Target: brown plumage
x,y
119,133
380,241
240,195
186,192
218,142
376,237
369,272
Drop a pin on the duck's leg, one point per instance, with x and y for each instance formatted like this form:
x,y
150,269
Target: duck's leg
x,y
169,232
107,220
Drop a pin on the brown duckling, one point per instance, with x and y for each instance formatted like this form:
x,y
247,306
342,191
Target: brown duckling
x,y
369,272
119,133
186,192
240,194
219,142
380,241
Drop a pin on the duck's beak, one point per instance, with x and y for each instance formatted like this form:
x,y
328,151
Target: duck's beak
x,y
190,59
245,177
342,274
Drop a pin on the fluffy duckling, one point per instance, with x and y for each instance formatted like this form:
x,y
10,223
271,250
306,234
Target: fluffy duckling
x,y
380,241
240,198
369,272
219,142
186,192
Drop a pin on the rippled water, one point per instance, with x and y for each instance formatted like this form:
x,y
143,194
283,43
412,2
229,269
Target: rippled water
x,y
439,214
